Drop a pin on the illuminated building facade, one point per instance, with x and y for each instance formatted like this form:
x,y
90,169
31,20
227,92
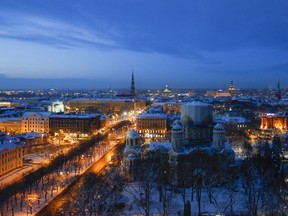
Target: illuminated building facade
x,y
35,122
11,126
152,125
172,108
104,105
274,121
80,125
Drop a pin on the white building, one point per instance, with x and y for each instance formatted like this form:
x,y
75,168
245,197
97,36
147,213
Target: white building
x,y
56,107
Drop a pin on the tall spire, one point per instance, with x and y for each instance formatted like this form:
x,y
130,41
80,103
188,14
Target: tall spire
x,y
278,91
132,88
231,88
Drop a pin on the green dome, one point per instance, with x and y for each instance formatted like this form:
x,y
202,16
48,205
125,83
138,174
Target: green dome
x,y
186,120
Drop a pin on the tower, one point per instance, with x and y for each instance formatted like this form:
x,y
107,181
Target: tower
x,y
231,88
177,138
278,91
218,136
132,88
132,153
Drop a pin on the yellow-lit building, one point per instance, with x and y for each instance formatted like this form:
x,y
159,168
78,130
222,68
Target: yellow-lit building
x,y
104,105
274,121
172,108
151,125
10,125
11,155
35,121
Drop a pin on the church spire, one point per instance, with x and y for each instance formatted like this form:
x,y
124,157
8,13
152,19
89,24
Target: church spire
x,y
132,88
231,88
278,91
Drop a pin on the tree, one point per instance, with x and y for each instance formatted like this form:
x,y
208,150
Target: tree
x,y
146,182
276,153
187,208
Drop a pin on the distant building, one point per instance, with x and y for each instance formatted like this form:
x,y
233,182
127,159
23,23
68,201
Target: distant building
x,y
233,122
11,154
274,121
34,141
104,105
222,94
152,125
172,108
231,88
56,107
35,122
11,126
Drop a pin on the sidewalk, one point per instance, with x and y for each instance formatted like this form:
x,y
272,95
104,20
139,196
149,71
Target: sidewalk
x,y
16,175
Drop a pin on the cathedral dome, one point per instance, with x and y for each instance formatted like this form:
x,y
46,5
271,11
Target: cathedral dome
x,y
133,134
177,122
177,127
186,120
218,127
131,156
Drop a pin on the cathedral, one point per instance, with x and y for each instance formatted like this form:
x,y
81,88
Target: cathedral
x,y
194,133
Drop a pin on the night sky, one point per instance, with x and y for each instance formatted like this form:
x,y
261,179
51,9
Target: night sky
x,y
185,44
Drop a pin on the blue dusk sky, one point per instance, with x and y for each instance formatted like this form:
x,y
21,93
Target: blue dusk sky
x,y
182,43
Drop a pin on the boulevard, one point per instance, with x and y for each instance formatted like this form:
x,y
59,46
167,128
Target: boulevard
x,y
42,186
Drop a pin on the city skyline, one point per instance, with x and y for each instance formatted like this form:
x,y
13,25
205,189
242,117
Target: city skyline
x,y
200,44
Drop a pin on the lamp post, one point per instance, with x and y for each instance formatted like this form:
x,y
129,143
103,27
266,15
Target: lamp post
x,y
30,200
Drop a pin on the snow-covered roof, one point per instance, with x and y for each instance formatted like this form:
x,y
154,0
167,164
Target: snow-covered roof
x,y
197,103
177,127
219,127
32,135
42,114
86,115
160,145
132,156
152,115
8,144
133,134
227,119
9,119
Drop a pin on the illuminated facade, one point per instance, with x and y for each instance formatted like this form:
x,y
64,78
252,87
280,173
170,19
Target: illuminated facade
x,y
104,105
82,124
274,121
152,125
35,122
11,155
172,108
10,125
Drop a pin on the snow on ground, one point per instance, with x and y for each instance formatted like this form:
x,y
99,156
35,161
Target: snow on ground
x,y
220,194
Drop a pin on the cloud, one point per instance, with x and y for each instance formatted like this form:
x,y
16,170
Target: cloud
x,y
49,31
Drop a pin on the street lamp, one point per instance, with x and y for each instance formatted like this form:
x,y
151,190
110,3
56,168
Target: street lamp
x,y
30,200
